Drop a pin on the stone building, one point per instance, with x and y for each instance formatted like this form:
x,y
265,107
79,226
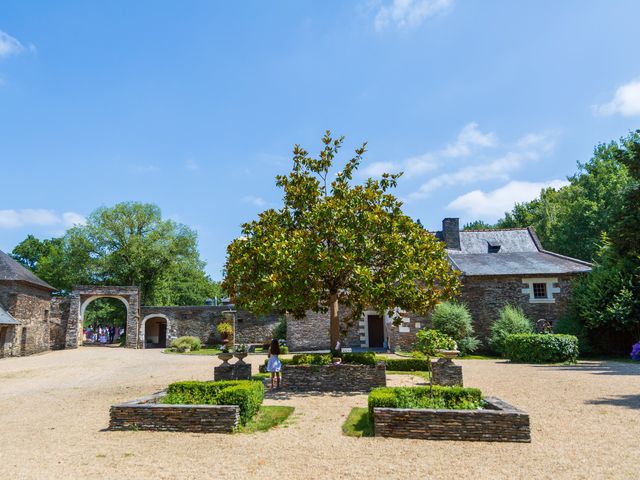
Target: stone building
x,y
497,267
25,304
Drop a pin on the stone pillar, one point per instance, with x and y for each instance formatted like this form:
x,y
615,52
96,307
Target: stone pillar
x,y
236,371
133,322
74,329
447,373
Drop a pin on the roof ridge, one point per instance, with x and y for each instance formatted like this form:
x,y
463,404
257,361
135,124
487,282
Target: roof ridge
x,y
494,229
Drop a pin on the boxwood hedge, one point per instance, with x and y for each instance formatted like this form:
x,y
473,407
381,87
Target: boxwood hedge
x,y
541,348
247,394
405,364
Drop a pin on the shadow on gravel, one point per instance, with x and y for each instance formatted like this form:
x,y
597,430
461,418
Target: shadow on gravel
x,y
626,401
285,394
598,368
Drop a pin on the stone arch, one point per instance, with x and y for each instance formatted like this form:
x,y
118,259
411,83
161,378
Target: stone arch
x,y
142,336
83,295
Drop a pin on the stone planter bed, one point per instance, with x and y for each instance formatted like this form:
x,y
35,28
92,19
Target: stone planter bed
x,y
497,422
334,378
147,413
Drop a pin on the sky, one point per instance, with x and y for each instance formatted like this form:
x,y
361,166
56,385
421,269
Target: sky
x,y
196,105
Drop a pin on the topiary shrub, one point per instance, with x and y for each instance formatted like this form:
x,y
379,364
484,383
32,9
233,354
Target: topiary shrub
x,y
186,344
541,348
405,364
512,320
311,359
453,319
428,341
247,394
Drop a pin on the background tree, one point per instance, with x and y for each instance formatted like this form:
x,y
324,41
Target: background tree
x,y
128,244
478,225
333,243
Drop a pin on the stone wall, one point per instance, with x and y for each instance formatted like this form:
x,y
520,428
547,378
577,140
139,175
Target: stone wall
x,y
147,414
486,296
446,373
58,319
31,307
334,378
498,422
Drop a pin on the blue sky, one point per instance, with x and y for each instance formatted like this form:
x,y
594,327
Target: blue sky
x,y
196,105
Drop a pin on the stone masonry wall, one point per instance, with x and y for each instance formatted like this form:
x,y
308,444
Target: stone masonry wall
x,y
486,296
334,378
498,422
147,414
58,319
30,306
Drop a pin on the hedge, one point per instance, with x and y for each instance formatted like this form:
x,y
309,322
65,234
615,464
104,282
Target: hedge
x,y
405,364
360,358
541,348
186,344
247,394
453,398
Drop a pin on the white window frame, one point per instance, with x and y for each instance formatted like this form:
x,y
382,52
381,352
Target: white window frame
x,y
551,289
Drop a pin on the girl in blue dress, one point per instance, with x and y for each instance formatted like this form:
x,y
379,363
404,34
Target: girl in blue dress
x,y
274,365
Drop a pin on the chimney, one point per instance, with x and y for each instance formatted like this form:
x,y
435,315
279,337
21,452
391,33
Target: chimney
x,y
451,233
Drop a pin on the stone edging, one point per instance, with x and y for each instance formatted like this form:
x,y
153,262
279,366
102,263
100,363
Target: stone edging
x,y
334,378
146,413
497,422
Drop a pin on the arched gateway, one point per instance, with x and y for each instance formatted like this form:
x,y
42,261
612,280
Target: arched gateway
x,y
83,295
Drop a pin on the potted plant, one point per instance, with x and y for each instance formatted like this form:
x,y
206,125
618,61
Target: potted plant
x,y
225,330
240,352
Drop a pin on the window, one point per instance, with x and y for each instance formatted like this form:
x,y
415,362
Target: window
x,y
539,290
494,247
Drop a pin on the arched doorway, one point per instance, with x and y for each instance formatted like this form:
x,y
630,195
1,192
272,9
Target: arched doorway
x,y
104,321
82,296
154,331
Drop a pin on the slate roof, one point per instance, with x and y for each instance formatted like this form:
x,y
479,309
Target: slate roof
x,y
6,318
14,271
520,253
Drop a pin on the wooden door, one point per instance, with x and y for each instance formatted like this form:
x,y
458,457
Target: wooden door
x,y
376,331
162,335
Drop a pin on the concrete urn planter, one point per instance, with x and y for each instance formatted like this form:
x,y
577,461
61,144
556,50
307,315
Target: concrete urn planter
x,y
240,356
225,357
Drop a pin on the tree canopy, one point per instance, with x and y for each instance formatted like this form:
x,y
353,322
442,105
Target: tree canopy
x,y
127,244
335,243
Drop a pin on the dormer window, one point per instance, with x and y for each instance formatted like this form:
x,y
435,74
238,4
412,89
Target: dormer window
x,y
494,247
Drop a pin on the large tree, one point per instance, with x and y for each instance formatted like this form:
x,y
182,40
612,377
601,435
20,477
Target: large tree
x,y
335,243
127,244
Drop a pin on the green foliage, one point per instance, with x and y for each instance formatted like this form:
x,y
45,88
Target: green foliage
x,y
359,358
570,325
280,330
106,312
267,418
311,359
454,398
127,244
405,364
357,423
247,394
512,320
541,348
428,341
453,319
224,329
186,344
334,241
478,225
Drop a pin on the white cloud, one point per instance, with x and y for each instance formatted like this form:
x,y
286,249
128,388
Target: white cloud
x,y
253,200
470,136
405,14
626,101
38,217
11,46
376,169
492,205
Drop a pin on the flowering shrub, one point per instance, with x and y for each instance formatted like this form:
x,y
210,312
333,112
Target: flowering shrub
x,y
635,352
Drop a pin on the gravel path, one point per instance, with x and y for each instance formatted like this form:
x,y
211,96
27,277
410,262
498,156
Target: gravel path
x,y
54,407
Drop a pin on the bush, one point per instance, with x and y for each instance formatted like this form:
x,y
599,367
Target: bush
x,y
453,319
280,330
512,320
457,398
361,358
186,344
541,348
405,364
570,325
247,394
428,341
224,329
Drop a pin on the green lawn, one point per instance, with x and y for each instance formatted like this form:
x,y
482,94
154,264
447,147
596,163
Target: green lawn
x,y
202,351
424,375
268,417
357,423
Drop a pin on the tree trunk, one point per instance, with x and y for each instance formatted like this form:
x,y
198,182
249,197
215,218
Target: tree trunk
x,y
334,324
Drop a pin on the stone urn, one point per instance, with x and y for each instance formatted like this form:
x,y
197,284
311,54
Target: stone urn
x,y
225,357
240,356
336,360
448,354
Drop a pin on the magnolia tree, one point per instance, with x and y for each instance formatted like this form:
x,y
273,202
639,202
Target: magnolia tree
x,y
336,243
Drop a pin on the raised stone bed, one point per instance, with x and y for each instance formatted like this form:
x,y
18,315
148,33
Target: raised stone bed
x,y
147,414
334,378
497,422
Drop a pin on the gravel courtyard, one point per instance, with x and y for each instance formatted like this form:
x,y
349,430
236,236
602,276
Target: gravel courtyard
x,y
54,407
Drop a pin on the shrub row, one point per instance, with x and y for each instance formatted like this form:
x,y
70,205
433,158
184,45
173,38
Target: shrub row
x,y
457,398
405,364
541,348
361,358
247,394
